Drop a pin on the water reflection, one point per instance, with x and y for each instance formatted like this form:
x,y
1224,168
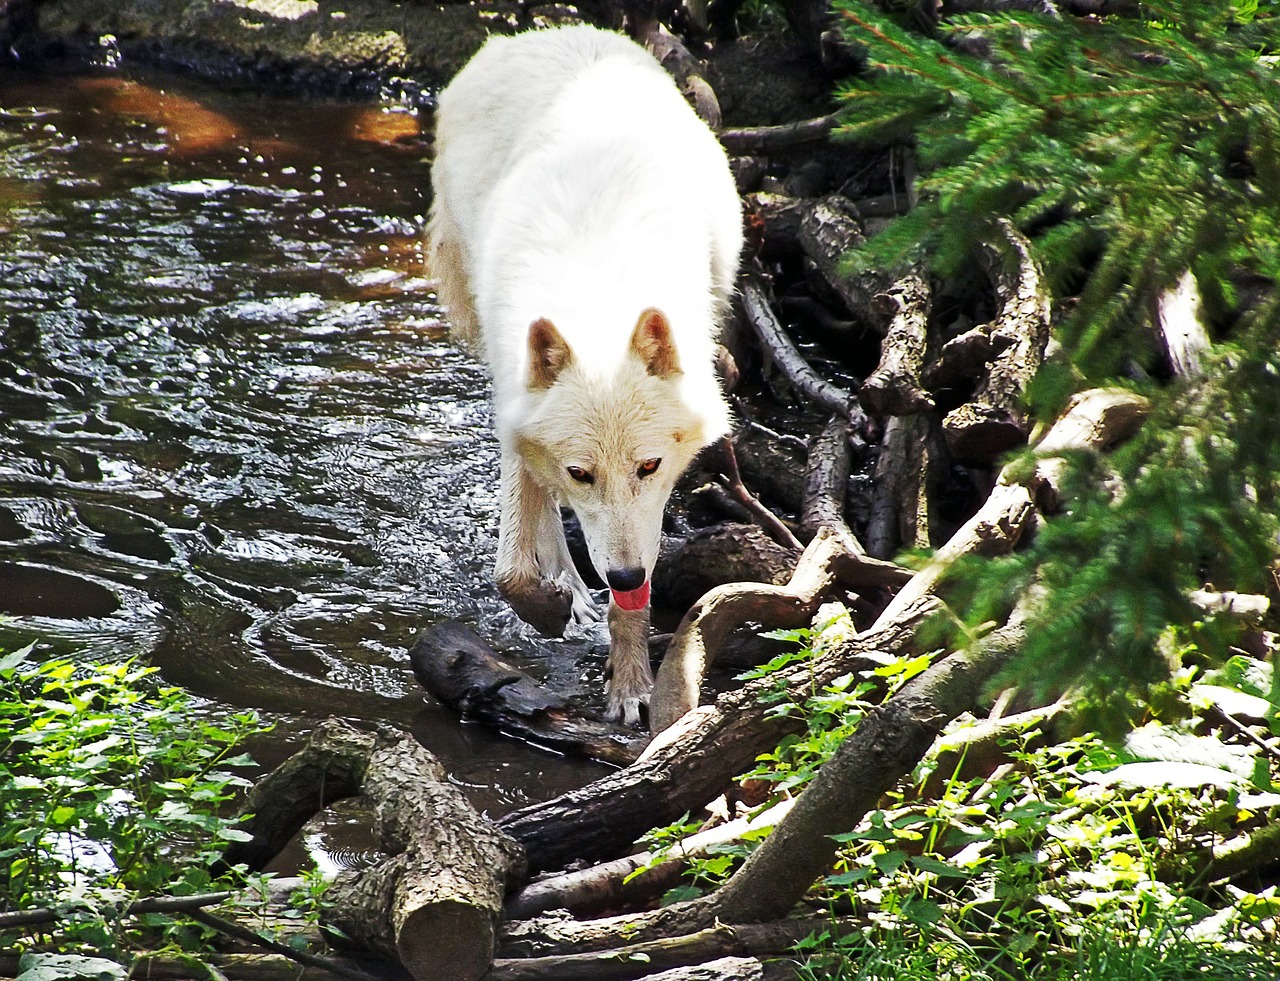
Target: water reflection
x,y
234,439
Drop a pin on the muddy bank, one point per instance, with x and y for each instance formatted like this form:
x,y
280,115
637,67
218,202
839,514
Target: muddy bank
x,y
354,48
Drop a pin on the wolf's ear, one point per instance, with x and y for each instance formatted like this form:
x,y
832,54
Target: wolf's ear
x,y
549,354
651,342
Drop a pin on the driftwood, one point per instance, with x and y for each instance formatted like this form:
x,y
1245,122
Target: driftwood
x,y
894,388
698,638
781,352
635,879
992,421
905,466
601,820
433,904
457,667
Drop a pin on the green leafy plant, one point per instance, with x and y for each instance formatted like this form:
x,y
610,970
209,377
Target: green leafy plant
x,y
111,786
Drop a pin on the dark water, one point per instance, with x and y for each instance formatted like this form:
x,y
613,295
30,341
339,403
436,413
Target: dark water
x,y
235,441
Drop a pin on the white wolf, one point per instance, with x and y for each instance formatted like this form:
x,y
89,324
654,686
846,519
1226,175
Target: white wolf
x,y
584,233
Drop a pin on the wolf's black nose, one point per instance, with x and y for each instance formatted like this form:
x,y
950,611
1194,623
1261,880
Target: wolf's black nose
x,y
625,580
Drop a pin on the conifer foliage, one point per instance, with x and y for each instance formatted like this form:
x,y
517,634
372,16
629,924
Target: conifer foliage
x,y
1131,149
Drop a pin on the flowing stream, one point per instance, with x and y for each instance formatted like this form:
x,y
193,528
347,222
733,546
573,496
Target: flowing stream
x,y
235,441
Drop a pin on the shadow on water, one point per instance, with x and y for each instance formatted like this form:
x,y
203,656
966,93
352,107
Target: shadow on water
x,y
234,439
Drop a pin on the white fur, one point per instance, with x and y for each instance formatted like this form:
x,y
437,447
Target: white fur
x,y
572,182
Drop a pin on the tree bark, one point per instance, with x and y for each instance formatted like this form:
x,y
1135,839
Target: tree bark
x,y
894,388
892,738
600,820
993,422
779,350
435,903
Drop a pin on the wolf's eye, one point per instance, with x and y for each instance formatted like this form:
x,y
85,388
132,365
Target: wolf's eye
x,y
580,475
647,468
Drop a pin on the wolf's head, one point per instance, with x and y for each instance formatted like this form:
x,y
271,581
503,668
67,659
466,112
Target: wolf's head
x,y
612,447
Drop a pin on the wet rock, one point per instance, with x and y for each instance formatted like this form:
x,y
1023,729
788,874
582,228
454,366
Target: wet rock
x,y
332,46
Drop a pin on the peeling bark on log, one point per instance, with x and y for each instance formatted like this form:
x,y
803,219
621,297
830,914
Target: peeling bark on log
x,y
779,350
457,667
894,388
698,638
992,422
435,903
1179,320
602,819
828,230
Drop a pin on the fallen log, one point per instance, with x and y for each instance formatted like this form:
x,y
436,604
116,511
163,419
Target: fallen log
x,y
603,819
698,638
993,422
825,480
781,352
894,388
771,139
435,903
545,950
722,553
899,516
457,667
829,230
630,881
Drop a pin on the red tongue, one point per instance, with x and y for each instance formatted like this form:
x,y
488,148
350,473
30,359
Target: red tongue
x,y
633,599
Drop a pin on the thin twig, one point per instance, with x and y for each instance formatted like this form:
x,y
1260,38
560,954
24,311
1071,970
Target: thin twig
x,y
153,904
767,520
248,936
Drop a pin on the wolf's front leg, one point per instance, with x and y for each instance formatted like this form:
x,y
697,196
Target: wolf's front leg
x,y
555,562
630,679
545,603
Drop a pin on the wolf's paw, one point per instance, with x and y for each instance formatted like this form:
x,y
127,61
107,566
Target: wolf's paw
x,y
624,707
545,603
585,610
